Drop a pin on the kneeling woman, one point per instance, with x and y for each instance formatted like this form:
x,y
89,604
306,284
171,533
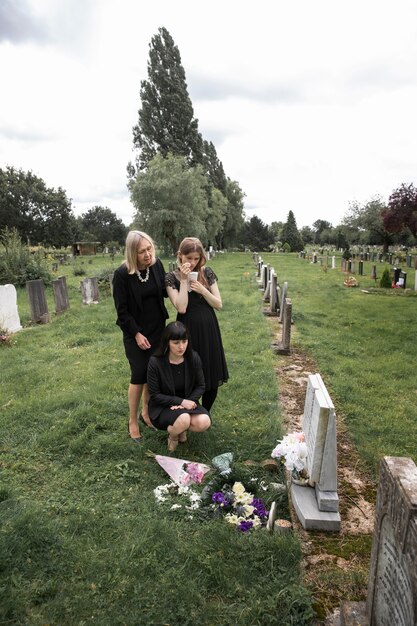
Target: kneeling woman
x,y
175,383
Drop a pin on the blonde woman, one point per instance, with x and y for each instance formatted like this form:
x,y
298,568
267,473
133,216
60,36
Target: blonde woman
x,y
138,292
196,302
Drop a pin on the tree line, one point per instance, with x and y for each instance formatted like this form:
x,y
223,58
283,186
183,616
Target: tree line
x,y
42,215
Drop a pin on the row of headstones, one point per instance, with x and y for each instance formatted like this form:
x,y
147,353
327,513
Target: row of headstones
x,y
349,265
39,313
392,582
392,587
379,257
279,304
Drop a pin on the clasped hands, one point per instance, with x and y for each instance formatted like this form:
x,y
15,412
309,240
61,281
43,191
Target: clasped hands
x,y
185,404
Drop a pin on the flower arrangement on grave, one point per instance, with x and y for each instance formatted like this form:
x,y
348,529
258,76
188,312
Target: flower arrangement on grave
x,y
350,282
224,494
5,338
291,450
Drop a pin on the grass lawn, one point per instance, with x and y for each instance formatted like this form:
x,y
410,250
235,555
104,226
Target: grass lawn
x,y
82,539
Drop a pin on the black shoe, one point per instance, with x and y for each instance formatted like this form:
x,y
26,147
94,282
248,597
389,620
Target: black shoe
x,y
134,439
143,422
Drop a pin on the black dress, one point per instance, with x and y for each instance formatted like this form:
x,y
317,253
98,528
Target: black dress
x,y
140,308
201,322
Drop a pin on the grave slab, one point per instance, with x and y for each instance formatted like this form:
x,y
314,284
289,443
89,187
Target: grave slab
x,y
305,504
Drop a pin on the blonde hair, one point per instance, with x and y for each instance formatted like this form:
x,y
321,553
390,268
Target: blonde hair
x,y
133,241
192,244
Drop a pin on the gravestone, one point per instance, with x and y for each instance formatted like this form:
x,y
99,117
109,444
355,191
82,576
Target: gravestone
x,y
274,294
59,287
37,301
283,346
392,589
317,506
283,295
9,315
262,277
89,291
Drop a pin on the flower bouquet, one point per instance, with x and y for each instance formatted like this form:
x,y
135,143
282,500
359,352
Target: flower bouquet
x,y
292,451
223,495
241,508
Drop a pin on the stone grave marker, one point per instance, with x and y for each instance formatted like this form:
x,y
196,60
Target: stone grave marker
x,y
318,508
283,347
60,294
89,290
9,315
392,589
274,294
37,301
283,295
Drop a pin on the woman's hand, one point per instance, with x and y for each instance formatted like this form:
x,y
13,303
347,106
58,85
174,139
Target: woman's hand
x,y
142,341
198,287
185,269
188,404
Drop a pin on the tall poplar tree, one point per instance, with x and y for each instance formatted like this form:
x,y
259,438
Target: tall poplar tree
x,y
291,235
166,118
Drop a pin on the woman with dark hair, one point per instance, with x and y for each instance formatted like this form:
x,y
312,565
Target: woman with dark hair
x,y
193,290
138,292
176,382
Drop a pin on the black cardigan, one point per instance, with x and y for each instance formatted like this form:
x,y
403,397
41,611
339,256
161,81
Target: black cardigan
x,y
128,299
161,383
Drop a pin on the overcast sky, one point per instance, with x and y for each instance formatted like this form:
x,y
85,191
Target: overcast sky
x,y
311,105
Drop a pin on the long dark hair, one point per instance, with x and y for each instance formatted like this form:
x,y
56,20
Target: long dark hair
x,y
171,332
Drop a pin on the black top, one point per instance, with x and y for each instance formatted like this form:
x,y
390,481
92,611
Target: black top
x,y
161,384
138,304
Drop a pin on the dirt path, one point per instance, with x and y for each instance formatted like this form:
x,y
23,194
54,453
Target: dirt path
x,y
336,565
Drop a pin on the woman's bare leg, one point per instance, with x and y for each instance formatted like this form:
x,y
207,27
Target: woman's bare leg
x,y
199,423
134,394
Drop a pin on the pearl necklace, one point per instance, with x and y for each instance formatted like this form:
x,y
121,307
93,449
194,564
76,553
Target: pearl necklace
x,y
143,280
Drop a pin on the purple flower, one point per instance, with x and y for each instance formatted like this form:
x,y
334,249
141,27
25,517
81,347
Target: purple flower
x,y
260,510
218,498
245,526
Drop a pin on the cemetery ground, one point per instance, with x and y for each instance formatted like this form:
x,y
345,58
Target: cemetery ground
x,y
82,540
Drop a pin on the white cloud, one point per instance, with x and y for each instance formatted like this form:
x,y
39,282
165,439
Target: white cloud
x,y
310,105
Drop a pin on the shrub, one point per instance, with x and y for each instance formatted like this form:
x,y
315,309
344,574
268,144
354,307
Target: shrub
x,y
286,247
17,263
385,279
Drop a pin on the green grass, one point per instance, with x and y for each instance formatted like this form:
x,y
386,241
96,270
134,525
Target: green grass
x,y
82,540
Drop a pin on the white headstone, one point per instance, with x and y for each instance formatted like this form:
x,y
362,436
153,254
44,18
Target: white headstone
x,y
89,290
9,316
317,508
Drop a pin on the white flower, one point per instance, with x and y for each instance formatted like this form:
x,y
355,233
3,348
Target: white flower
x,y
231,518
248,509
293,450
162,491
256,521
176,506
